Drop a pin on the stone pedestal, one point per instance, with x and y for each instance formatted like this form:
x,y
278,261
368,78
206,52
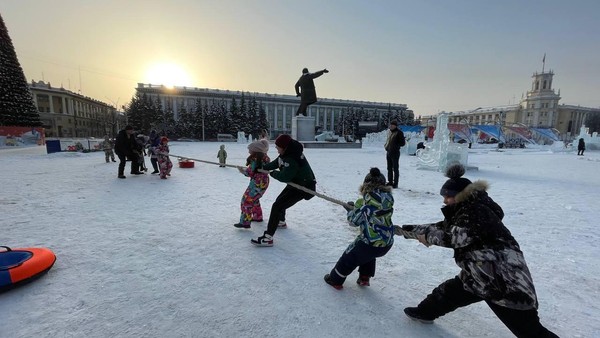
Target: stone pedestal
x,y
303,128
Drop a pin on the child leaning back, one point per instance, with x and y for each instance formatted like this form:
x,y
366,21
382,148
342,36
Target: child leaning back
x,y
372,213
259,182
164,162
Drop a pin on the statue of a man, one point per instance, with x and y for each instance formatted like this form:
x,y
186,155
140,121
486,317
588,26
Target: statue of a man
x,y
308,95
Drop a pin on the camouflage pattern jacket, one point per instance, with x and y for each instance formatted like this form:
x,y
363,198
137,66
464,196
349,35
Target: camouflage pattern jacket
x,y
373,215
492,264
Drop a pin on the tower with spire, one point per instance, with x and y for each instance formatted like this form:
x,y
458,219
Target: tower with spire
x,y
540,105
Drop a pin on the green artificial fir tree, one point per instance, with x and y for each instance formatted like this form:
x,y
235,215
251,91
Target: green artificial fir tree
x,y
16,102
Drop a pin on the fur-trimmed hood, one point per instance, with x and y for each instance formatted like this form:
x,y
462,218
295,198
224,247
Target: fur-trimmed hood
x,y
471,190
368,187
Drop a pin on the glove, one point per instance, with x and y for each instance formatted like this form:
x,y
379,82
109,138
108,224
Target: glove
x,y
351,204
325,70
408,227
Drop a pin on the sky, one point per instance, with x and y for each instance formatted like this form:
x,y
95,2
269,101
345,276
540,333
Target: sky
x,y
431,55
145,257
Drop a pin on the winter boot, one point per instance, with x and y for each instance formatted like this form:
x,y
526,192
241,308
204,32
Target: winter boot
x,y
363,280
264,240
414,314
121,176
242,226
329,281
282,225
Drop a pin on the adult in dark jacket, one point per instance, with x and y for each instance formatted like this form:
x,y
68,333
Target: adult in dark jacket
x,y
581,147
125,148
292,167
308,95
493,268
392,147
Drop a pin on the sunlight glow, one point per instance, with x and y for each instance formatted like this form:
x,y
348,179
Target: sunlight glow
x,y
168,74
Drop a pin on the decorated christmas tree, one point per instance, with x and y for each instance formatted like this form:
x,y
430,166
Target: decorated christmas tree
x,y
16,102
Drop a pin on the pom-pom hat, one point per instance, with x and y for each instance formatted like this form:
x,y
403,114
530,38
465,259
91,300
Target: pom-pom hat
x,y
455,183
164,139
375,177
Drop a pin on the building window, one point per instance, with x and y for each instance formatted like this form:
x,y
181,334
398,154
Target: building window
x,y
544,84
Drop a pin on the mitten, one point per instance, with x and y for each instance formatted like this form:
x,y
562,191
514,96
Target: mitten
x,y
349,206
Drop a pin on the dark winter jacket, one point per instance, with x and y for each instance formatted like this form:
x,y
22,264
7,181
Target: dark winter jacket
x,y
308,94
492,264
293,167
581,145
395,141
125,144
373,215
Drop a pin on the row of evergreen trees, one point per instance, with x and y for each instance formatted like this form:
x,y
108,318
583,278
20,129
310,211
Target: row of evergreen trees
x,y
203,122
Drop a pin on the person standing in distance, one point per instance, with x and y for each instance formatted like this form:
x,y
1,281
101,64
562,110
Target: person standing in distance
x,y
392,147
308,95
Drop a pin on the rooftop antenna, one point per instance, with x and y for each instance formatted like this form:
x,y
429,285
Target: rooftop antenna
x,y
80,76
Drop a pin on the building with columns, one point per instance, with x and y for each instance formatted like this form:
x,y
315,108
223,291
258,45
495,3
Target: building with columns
x,y
538,108
279,108
68,114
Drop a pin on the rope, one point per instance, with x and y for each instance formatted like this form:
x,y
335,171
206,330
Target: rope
x,y
297,186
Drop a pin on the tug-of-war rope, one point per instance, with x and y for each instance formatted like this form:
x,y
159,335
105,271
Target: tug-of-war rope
x,y
397,229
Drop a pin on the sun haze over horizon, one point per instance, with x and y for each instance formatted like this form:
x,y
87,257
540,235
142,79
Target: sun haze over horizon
x,y
430,55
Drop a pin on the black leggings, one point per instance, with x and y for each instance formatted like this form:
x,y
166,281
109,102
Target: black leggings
x,y
451,294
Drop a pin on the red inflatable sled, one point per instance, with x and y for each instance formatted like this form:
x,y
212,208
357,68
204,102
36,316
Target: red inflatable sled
x,y
19,266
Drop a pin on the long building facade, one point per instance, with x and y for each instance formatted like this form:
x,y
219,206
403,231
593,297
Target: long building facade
x,y
68,114
279,108
538,108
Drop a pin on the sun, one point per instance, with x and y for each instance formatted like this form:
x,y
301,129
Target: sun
x,y
168,74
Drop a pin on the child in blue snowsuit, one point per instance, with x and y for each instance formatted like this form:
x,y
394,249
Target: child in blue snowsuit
x,y
373,215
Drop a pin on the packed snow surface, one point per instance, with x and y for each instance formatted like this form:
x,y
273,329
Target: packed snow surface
x,y
145,257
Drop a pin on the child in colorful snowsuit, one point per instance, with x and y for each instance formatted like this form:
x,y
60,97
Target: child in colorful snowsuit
x,y
222,155
259,182
372,213
164,162
107,146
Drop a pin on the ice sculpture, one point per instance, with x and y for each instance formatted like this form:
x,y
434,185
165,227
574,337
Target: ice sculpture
x,y
440,153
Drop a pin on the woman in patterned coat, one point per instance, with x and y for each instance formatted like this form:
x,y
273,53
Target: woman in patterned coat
x,y
493,268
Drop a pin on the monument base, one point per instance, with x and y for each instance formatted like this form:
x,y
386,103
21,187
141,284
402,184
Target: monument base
x,y
303,128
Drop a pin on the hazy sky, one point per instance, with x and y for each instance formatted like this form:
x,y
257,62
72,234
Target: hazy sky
x,y
431,55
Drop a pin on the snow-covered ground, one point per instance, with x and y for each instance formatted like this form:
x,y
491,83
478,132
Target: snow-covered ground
x,y
145,257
